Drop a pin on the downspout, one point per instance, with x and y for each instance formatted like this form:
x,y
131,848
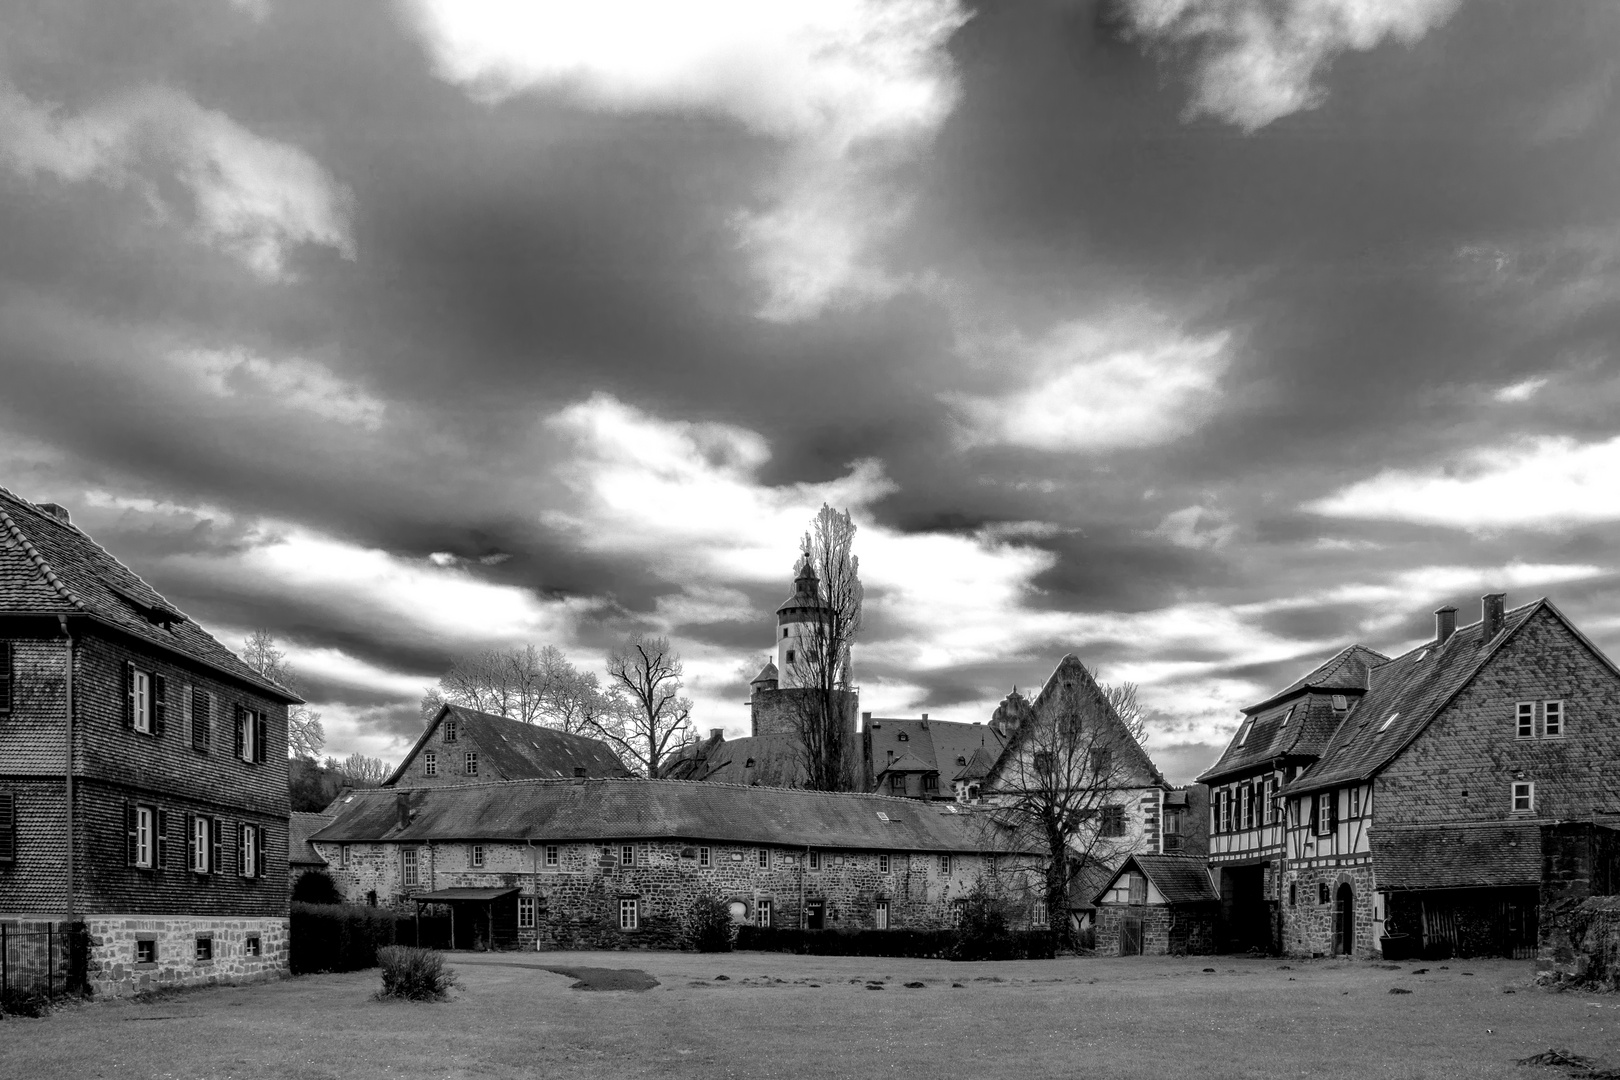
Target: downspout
x,y
68,763
804,915
534,887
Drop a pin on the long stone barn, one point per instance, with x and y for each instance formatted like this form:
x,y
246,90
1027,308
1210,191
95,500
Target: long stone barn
x,y
617,864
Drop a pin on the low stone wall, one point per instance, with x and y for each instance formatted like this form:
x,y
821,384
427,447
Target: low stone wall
x,y
1580,942
115,969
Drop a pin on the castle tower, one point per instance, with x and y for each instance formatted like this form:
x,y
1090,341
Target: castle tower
x,y
795,623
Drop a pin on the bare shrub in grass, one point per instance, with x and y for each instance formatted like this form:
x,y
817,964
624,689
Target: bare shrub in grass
x,y
414,974
708,925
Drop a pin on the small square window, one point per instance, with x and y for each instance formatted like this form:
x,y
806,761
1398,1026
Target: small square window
x,y
430,764
629,913
477,855
1552,719
205,948
553,854
525,913
883,864
815,860
146,951
764,858
790,656
252,947
627,854
705,857
1524,798
1527,720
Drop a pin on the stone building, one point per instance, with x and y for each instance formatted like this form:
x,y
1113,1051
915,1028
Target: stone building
x,y
618,863
465,746
143,770
1420,823
1155,905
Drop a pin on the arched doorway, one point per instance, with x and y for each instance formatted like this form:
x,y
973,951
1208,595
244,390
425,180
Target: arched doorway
x,y
1344,921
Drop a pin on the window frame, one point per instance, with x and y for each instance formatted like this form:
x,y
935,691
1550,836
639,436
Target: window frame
x,y
629,913
475,856
764,858
202,835
883,863
343,856
410,868
553,856
1324,813
705,857
149,945
250,839
145,837
1355,800
525,913
1548,708
627,854
140,700
762,912
944,865
1111,822
880,914
252,946
430,763
1525,720
449,732
813,859
1529,797
469,763
204,944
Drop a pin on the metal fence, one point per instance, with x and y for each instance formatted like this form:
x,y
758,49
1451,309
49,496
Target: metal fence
x,y
48,959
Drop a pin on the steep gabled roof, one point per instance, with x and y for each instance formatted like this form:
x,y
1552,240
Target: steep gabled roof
x,y
938,744
1406,694
1345,672
908,763
512,750
602,810
978,765
49,567
1180,879
300,827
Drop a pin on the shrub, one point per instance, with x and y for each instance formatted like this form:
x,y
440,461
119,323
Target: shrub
x,y
708,925
30,1003
337,937
316,887
414,974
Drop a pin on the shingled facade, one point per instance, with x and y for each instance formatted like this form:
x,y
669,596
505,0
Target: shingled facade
x,y
143,769
617,863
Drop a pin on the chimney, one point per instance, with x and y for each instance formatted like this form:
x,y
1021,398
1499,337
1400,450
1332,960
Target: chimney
x,y
402,808
57,511
1445,624
924,719
715,734
1490,615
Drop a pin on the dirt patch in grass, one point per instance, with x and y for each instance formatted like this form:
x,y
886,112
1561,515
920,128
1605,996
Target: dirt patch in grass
x,y
607,978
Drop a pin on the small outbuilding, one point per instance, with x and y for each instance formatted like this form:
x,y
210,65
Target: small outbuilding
x,y
1155,905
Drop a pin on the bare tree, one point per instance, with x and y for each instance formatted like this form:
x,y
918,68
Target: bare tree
x,y
534,685
652,720
822,668
305,734
1063,791
360,770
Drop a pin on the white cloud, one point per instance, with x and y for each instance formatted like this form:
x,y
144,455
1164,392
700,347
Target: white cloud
x,y
1543,482
1523,390
1197,527
849,88
1258,60
1097,389
251,197
290,382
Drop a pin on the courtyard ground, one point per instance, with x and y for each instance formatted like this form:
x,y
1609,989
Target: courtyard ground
x,y
776,1015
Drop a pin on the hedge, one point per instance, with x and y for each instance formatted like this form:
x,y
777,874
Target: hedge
x,y
337,937
924,944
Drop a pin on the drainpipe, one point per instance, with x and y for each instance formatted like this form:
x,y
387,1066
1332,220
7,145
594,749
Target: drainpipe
x,y
534,886
67,769
804,916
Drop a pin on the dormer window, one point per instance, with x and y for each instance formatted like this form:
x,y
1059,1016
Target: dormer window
x,y
904,737
1340,703
1385,725
961,760
1289,715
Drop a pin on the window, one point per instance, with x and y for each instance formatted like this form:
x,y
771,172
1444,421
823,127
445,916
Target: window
x,y
1248,806
1043,761
627,854
1527,719
1293,893
1325,812
449,729
881,915
815,860
525,913
471,767
201,834
930,782
146,951
430,764
790,656
1340,703
629,913
1113,821
144,822
1552,719
5,677
1225,798
476,855
960,760
944,864
784,631
1524,798
903,737
252,736
1322,894
1175,820
1136,888
343,856
1355,801
897,782
202,718
1390,720
205,949
552,855
251,946
764,858
1102,762
1037,916
883,864
252,840
1271,800
762,913
409,872
140,701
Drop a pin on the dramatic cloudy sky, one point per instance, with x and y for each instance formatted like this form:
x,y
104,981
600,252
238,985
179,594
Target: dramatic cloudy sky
x,y
1196,337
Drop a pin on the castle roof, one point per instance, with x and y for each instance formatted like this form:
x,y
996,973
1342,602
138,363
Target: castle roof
x,y
768,673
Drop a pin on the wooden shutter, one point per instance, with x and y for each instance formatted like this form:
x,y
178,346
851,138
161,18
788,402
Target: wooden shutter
x,y
191,841
129,833
8,826
216,857
258,851
129,695
242,850
261,732
160,703
5,676
199,719
1333,809
241,719
160,825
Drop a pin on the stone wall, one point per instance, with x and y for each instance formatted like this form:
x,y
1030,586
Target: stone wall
x,y
578,901
113,970
1166,930
1308,924
1580,942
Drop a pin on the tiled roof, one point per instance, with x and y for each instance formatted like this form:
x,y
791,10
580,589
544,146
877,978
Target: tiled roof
x,y
1344,672
1456,856
908,762
1411,689
1180,879
936,743
299,829
592,810
512,750
49,567
768,673
1297,728
978,766
768,760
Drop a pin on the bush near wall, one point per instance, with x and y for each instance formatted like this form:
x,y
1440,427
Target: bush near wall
x,y
919,944
337,937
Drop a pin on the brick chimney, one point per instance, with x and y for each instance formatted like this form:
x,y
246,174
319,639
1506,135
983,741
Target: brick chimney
x,y
1445,624
716,733
1490,615
57,511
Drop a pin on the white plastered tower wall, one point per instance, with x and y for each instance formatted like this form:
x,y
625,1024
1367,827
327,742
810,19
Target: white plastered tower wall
x,y
795,624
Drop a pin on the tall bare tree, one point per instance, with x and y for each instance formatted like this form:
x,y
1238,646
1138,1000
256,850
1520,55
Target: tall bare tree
x,y
654,720
305,734
1065,786
534,685
362,771
822,666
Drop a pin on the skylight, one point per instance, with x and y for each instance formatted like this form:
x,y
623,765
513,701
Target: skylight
x,y
882,816
1385,725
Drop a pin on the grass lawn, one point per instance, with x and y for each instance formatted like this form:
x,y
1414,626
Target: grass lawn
x,y
794,1016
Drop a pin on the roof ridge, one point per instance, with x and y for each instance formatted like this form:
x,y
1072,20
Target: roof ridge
x,y
44,567
707,784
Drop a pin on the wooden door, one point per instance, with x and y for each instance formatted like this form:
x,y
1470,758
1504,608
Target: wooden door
x,y
816,915
1130,936
1344,922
